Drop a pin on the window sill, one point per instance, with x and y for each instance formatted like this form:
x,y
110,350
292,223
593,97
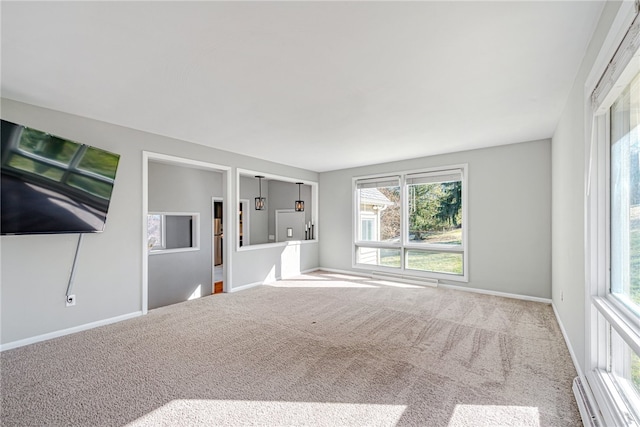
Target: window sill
x,y
611,405
621,323
410,274
275,245
172,251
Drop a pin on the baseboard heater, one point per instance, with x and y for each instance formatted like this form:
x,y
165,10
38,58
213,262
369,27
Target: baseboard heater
x,y
405,279
589,418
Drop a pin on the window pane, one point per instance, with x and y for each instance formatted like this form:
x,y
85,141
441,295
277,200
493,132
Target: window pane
x,y
437,262
380,204
100,162
154,231
625,368
378,256
39,168
368,228
47,146
91,185
625,196
435,213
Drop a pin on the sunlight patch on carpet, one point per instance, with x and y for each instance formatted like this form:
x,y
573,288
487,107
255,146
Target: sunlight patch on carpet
x,y
237,412
493,415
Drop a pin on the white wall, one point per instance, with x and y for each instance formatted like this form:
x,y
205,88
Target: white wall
x,y
568,198
509,221
35,269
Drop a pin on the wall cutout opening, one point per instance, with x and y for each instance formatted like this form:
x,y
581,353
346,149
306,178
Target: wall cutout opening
x,y
173,232
279,221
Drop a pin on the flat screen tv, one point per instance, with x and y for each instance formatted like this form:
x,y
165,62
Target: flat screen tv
x,y
52,185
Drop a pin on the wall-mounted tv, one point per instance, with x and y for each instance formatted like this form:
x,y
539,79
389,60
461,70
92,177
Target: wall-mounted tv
x,y
52,185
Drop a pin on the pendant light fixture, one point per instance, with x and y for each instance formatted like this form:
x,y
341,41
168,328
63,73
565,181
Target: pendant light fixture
x,y
260,201
299,202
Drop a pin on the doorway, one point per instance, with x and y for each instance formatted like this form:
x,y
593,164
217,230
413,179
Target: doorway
x,y
218,245
148,271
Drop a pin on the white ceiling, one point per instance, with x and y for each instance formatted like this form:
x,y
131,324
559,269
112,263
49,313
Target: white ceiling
x,y
318,85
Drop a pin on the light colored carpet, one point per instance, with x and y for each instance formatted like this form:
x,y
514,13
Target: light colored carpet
x,y
320,349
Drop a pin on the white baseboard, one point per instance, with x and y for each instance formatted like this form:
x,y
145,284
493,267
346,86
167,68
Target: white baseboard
x,y
245,287
496,293
56,334
334,270
585,398
574,359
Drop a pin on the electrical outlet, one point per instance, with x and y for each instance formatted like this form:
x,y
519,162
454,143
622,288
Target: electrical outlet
x,y
71,300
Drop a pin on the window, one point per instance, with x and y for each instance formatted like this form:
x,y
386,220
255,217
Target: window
x,y
369,227
613,244
623,294
379,202
625,197
412,223
155,232
434,216
625,368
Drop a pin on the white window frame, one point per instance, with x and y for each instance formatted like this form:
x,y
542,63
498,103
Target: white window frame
x,y
604,312
403,244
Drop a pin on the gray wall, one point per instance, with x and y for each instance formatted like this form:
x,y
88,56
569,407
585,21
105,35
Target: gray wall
x,y
35,269
279,195
258,220
180,231
173,277
282,195
568,198
509,220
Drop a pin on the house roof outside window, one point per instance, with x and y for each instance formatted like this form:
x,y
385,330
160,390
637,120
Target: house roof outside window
x,y
373,196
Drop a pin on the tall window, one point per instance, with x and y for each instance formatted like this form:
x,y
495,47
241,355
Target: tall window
x,y
378,202
625,234
434,218
613,253
420,223
625,197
